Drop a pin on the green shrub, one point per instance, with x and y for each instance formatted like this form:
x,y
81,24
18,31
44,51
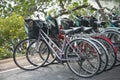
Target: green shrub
x,y
11,30
5,53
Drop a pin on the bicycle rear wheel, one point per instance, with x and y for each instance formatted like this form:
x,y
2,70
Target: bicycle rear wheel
x,y
81,60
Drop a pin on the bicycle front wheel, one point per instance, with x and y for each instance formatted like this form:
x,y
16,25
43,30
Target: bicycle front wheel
x,y
114,37
19,54
111,51
37,53
103,55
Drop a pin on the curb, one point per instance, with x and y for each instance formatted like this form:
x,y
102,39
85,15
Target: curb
x,y
6,60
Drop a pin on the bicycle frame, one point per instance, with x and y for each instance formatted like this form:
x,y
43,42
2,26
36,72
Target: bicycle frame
x,y
57,51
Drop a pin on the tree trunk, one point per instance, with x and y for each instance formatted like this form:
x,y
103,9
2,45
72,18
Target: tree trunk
x,y
98,2
76,8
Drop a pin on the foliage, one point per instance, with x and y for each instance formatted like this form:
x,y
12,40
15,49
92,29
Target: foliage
x,y
12,30
12,13
21,7
26,8
4,53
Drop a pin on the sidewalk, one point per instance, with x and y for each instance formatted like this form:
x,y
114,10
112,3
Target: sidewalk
x,y
7,64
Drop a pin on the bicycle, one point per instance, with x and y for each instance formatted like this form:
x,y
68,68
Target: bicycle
x,y
19,53
104,40
61,54
65,20
109,31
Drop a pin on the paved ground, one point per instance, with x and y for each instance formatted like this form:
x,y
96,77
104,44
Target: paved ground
x,y
52,72
7,64
56,72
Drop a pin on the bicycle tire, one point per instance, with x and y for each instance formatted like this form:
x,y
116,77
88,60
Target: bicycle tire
x,y
35,56
19,54
82,62
103,55
114,36
111,51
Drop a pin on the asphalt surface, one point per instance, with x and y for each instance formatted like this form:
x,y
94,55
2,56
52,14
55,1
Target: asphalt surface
x,y
55,72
